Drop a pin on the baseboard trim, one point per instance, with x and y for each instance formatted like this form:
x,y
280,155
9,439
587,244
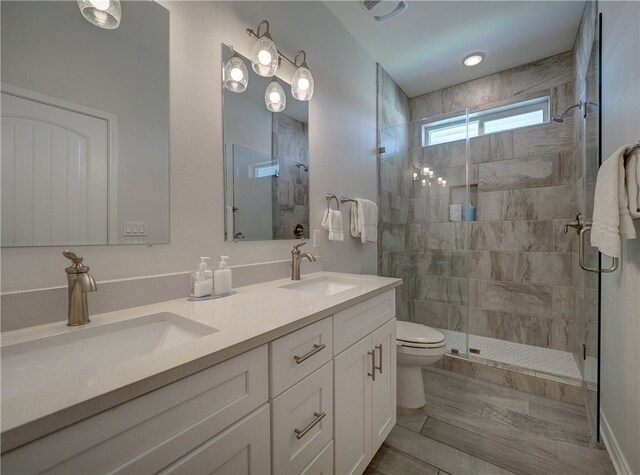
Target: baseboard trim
x,y
611,443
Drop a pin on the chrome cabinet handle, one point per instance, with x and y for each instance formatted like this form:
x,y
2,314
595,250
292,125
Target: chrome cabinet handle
x,y
318,417
316,349
379,368
372,353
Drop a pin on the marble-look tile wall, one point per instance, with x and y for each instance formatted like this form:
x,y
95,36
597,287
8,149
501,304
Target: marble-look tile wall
x,y
290,190
511,270
395,193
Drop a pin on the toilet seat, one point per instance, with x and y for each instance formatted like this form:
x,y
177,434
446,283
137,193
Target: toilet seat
x,y
414,336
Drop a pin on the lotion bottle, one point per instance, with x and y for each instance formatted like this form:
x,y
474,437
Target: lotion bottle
x,y
222,277
202,280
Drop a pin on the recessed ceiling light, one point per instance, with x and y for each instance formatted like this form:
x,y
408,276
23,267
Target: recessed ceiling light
x,y
473,59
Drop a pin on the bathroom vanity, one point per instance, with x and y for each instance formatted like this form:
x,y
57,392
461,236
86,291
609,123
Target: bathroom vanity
x,y
280,378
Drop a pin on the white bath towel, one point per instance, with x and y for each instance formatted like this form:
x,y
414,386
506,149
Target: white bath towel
x,y
611,218
332,222
632,173
364,220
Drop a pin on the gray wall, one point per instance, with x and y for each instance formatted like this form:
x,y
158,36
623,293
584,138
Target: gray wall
x,y
620,357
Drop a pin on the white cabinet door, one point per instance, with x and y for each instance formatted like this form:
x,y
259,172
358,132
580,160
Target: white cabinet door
x,y
383,393
352,408
302,421
241,449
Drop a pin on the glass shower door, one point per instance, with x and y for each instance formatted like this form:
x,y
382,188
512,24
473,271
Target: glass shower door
x,y
588,314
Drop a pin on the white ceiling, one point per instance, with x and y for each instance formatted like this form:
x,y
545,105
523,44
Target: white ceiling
x,y
423,47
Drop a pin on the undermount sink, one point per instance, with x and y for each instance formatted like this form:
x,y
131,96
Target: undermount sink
x,y
37,363
327,285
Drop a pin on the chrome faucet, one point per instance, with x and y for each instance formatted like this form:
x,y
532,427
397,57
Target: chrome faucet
x,y
296,257
80,282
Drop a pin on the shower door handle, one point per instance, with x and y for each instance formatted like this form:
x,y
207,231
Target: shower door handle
x,y
582,226
582,250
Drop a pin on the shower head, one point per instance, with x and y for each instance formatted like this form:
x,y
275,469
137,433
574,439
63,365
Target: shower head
x,y
560,117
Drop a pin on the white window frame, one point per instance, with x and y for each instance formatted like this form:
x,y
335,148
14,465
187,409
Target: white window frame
x,y
481,117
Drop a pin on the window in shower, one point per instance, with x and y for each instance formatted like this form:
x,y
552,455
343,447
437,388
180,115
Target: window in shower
x,y
490,121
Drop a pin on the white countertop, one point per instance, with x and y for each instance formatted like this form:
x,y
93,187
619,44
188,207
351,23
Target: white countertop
x,y
255,315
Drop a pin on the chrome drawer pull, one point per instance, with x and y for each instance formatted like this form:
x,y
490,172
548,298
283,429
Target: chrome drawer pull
x,y
316,348
373,364
301,433
379,368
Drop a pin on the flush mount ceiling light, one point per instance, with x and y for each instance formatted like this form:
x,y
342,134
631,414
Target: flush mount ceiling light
x,y
302,81
274,97
264,55
236,75
103,13
473,59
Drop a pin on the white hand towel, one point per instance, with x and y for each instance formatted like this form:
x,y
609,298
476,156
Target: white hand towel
x,y
364,220
611,217
632,172
332,222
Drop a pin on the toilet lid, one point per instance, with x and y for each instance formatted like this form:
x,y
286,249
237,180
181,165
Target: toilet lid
x,y
417,334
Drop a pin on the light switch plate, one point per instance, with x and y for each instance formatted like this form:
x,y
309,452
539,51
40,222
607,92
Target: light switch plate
x,y
317,237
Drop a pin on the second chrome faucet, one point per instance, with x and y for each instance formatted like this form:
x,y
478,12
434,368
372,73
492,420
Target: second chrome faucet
x,y
296,258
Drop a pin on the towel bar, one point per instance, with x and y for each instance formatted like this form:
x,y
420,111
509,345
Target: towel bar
x,y
330,197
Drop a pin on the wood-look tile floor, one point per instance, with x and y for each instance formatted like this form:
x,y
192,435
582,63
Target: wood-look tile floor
x,y
471,426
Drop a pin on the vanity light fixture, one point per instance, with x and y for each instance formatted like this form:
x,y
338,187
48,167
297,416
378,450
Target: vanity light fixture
x,y
274,97
103,13
265,58
236,75
473,59
302,81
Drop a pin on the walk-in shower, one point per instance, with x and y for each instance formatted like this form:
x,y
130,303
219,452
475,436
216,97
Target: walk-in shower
x,y
477,181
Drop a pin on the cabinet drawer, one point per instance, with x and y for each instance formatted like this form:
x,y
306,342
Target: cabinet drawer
x,y
151,431
299,354
242,448
354,323
322,464
299,408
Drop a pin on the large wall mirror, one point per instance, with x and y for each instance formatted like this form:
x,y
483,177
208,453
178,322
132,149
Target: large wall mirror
x,y
266,163
85,126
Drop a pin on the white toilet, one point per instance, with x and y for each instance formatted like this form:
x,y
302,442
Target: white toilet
x,y
418,346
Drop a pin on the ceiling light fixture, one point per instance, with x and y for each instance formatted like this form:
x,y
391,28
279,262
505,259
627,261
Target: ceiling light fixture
x,y
103,13
236,75
473,59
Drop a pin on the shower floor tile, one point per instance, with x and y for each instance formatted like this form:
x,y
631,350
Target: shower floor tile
x,y
533,358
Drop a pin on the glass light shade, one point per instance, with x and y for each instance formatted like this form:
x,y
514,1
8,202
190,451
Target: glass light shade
x,y
236,75
264,57
274,97
302,83
103,13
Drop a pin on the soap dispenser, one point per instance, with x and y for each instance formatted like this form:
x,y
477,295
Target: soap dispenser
x,y
202,280
222,277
